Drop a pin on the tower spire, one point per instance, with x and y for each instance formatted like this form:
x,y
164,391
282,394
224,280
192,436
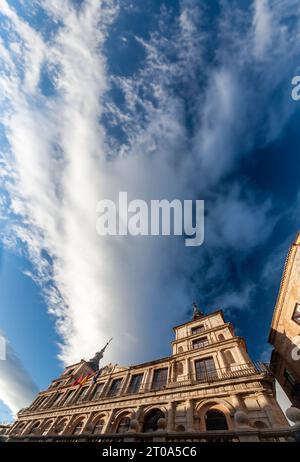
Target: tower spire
x,y
95,361
196,312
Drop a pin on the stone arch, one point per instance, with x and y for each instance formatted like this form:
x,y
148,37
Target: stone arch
x,y
77,425
217,405
215,420
151,418
35,427
46,426
19,427
61,425
98,423
121,416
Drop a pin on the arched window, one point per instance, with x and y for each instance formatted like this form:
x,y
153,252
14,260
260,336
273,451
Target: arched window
x,y
229,359
59,428
179,368
151,419
123,425
46,427
34,427
19,428
221,338
215,420
78,427
98,427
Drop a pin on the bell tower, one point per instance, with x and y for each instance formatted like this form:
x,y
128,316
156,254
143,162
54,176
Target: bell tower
x,y
209,336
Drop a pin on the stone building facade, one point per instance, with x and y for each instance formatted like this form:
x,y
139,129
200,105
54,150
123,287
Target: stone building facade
x,y
285,328
207,382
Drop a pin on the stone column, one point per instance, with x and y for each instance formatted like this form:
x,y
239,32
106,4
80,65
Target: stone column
x,y
148,380
108,422
221,360
138,414
87,423
145,379
190,416
125,383
170,416
171,372
90,390
25,429
77,392
240,354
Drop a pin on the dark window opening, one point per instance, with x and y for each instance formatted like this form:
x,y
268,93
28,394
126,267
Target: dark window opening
x,y
159,379
135,383
124,425
98,427
115,387
97,391
151,420
205,369
78,428
198,329
200,342
215,420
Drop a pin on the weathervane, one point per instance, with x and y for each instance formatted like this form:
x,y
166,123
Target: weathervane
x,y
196,312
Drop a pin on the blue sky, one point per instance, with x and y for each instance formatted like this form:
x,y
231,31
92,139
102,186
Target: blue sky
x,y
172,99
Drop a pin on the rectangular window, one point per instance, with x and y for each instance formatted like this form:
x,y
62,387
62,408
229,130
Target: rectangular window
x,y
69,397
135,383
82,394
115,387
200,342
42,401
296,314
197,329
98,390
57,399
159,379
205,369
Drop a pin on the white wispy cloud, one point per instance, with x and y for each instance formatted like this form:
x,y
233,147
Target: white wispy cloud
x,y
61,159
17,389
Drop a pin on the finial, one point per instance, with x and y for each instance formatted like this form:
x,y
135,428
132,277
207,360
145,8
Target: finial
x,y
196,312
95,361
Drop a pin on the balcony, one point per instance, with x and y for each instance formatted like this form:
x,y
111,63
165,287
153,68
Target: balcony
x,y
235,371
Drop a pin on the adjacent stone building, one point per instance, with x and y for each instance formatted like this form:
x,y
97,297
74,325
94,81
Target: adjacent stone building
x,y
208,386
285,328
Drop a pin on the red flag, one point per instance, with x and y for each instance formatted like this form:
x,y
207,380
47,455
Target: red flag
x,y
78,380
